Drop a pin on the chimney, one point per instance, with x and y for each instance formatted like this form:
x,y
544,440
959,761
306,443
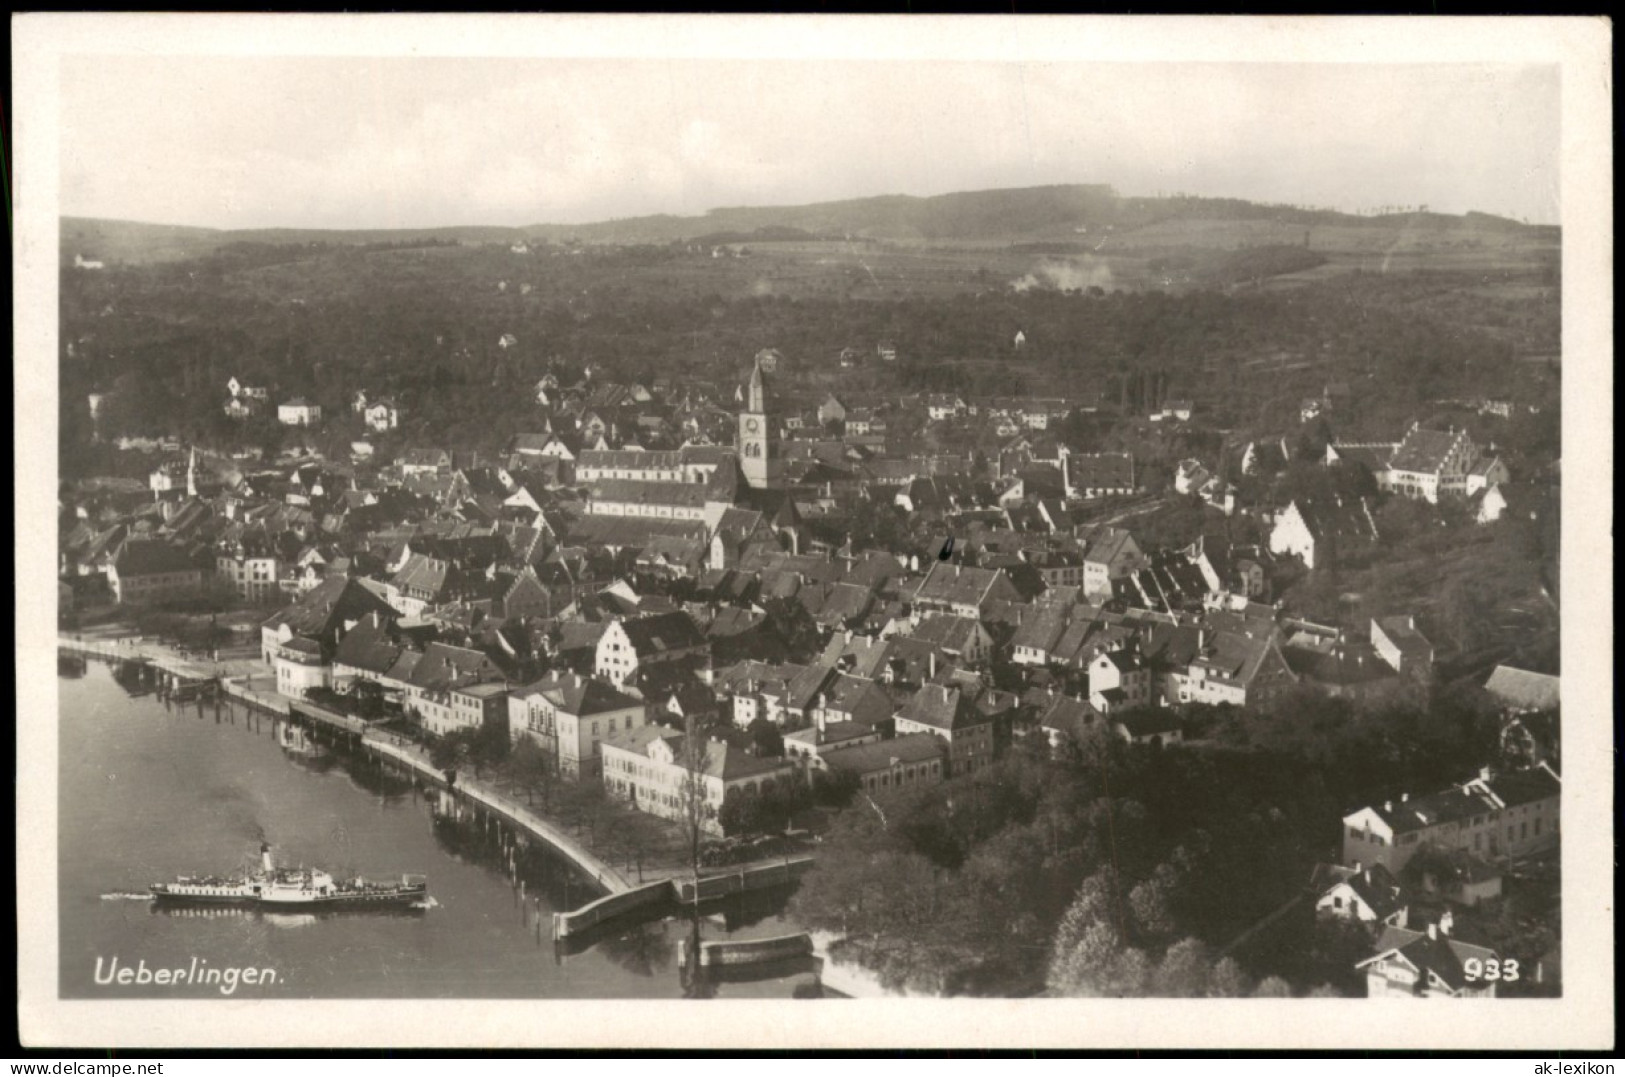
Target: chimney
x,y
1446,922
1403,797
931,660
1388,805
1484,774
1433,931
1357,867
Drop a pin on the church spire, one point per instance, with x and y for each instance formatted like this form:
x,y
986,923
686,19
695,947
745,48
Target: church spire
x,y
759,460
756,395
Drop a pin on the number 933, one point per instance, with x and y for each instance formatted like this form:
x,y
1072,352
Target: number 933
x,y
1490,970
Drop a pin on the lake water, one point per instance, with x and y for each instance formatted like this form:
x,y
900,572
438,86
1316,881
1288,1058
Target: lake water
x,y
149,791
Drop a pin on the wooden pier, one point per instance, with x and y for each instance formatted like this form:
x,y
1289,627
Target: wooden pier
x,y
170,675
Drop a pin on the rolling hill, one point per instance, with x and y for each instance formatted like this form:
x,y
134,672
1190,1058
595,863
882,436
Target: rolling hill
x,y
1085,215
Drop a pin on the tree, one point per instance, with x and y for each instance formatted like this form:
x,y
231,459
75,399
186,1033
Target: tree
x,y
1273,987
692,797
834,788
1228,980
639,835
531,768
1151,904
792,623
584,803
766,738
1130,976
1087,941
741,812
1185,971
451,751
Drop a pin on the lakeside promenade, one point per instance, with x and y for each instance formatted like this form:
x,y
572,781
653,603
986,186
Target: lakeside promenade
x,y
242,678
415,757
246,679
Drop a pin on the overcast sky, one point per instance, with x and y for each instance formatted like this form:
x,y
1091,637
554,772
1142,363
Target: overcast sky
x,y
382,143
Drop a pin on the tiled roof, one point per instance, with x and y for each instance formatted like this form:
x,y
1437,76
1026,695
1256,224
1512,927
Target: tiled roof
x,y
423,573
444,666
1373,458
633,491
579,695
945,630
1525,786
858,696
149,558
1041,628
663,632
909,749
1064,714
1147,721
1443,956
942,708
1106,543
956,584
1523,688
1100,471
367,646
630,459
1425,450
629,532
1348,521
325,607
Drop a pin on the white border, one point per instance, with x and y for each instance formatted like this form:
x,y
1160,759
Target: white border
x,y
1582,1019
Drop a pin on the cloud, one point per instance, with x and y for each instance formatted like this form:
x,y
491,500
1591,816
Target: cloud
x,y
391,142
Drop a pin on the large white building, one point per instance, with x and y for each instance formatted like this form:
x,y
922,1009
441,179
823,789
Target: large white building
x,y
568,716
646,767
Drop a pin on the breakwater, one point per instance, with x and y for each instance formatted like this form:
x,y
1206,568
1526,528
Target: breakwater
x,y
761,876
752,951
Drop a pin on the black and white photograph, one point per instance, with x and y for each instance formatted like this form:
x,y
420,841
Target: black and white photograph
x,y
1009,528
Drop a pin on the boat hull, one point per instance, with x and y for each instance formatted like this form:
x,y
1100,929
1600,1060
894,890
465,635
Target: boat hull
x,y
403,896
394,896
170,898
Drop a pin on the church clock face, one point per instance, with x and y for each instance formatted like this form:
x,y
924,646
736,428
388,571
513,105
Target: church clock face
x,y
750,426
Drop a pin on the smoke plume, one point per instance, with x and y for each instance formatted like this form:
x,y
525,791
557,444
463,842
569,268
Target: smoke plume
x,y
1066,274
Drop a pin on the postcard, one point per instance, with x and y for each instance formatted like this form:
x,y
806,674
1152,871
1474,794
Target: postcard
x,y
779,531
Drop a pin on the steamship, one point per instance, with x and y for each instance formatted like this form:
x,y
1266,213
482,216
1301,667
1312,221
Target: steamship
x,y
272,887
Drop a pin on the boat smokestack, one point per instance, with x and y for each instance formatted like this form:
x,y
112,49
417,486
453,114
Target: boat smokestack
x,y
265,858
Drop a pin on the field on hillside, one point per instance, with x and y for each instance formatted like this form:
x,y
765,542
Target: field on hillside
x,y
1225,311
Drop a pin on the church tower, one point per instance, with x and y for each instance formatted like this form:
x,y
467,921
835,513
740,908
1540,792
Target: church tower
x,y
759,457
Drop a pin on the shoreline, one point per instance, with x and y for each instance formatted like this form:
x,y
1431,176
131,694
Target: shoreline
x,y
609,880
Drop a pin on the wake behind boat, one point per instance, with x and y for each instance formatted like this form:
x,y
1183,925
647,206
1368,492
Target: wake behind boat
x,y
291,888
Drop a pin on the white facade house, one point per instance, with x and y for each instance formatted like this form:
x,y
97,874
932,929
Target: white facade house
x,y
299,412
646,767
381,415
569,715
